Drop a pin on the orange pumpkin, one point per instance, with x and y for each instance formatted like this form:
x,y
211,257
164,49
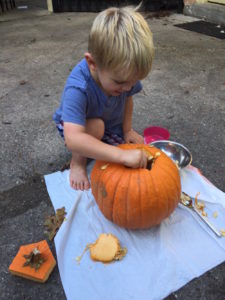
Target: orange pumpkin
x,y
137,198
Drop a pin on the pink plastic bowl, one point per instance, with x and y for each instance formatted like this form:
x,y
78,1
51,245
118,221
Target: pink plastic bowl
x,y
155,133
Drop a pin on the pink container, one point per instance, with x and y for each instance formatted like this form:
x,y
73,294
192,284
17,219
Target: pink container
x,y
155,133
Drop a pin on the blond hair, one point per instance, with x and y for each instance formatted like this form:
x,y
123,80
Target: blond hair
x,y
120,39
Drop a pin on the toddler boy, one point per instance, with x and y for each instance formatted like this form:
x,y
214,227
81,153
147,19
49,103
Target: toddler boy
x,y
97,105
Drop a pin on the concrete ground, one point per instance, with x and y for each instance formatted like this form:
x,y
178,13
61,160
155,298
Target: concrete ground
x,y
184,93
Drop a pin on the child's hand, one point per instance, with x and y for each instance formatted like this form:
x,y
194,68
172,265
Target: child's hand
x,y
132,136
134,158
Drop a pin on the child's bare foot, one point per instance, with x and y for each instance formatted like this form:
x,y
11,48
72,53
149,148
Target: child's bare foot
x,y
78,175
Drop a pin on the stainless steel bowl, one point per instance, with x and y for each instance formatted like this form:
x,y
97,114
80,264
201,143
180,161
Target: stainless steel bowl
x,y
177,152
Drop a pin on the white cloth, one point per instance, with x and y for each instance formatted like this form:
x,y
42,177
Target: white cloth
x,y
159,260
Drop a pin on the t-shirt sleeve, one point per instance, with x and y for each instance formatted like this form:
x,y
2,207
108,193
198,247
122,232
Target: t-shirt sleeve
x,y
135,89
74,106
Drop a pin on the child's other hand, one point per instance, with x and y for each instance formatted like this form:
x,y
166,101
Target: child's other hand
x,y
132,136
134,158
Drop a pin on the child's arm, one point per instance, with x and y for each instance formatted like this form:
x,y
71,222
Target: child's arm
x,y
86,145
130,135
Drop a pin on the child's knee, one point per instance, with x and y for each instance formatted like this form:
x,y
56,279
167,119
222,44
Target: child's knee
x,y
95,127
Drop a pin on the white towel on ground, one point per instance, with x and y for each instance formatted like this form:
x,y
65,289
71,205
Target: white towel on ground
x,y
159,260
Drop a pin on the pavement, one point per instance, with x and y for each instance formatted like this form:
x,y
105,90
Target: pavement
x,y
184,93
212,12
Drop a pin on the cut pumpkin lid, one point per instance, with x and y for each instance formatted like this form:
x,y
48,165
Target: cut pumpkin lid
x,y
21,267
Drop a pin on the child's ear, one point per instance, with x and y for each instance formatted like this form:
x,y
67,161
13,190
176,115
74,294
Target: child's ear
x,y
90,61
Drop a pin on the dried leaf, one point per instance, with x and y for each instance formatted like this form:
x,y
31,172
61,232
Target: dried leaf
x,y
53,223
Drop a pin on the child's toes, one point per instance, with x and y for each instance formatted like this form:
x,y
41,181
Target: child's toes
x,y
81,186
73,184
86,185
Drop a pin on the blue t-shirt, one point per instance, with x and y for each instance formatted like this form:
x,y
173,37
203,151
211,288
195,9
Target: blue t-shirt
x,y
83,99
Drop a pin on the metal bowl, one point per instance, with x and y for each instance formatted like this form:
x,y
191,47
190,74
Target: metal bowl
x,y
177,152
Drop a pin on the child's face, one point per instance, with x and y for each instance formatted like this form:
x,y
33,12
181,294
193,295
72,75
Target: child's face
x,y
113,84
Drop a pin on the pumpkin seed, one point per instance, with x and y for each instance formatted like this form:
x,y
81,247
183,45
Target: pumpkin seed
x,y
215,214
204,213
150,157
104,167
177,164
222,231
